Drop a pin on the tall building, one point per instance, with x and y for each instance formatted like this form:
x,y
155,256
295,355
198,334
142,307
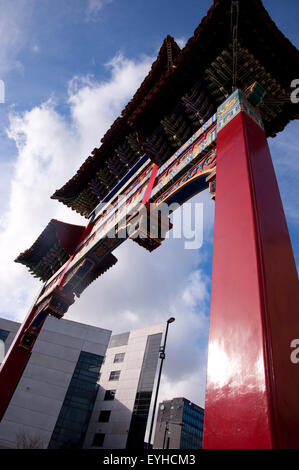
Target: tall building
x,y
179,425
121,409
81,387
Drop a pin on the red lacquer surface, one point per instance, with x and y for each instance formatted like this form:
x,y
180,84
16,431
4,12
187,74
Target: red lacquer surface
x,y
252,385
13,365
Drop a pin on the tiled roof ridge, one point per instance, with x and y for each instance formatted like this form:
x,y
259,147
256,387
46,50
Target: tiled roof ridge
x,y
146,97
121,123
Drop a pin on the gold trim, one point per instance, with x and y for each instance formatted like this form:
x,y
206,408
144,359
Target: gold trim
x,y
191,179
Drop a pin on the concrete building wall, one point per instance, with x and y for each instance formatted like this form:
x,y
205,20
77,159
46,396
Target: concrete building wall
x,y
11,327
169,412
36,403
117,428
179,425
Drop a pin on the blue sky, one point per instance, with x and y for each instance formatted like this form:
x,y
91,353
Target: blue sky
x,y
69,67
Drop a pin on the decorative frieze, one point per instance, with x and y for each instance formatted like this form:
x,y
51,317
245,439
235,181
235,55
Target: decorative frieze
x,y
235,104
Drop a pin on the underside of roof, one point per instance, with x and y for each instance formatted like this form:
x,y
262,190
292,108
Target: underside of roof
x,y
235,45
107,263
52,249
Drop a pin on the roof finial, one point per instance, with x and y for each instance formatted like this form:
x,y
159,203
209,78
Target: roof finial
x,y
234,30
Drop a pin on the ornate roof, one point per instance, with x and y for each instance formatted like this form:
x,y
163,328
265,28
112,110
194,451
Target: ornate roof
x,y
106,263
235,45
52,249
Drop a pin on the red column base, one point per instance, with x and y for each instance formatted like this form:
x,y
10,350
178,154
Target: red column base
x,y
252,384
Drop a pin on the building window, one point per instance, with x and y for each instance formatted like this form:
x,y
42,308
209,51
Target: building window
x,y
114,375
3,334
119,340
98,439
109,395
119,357
75,413
104,416
144,392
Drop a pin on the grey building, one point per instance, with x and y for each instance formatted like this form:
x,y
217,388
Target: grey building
x,y
179,425
81,387
121,409
52,403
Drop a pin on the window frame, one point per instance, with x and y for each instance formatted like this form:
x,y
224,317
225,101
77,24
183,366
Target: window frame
x,y
114,377
106,414
107,394
119,357
94,444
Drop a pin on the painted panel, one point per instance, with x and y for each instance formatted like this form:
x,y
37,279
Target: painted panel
x,y
192,160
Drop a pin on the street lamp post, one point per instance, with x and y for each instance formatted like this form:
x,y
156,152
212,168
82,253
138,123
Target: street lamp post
x,y
162,357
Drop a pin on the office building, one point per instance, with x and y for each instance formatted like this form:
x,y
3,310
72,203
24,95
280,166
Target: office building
x,y
121,409
179,425
61,399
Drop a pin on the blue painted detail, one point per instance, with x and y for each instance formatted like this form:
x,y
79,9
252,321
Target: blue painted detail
x,y
123,181
188,190
40,317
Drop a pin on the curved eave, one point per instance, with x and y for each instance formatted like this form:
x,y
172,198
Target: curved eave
x,y
119,129
276,53
52,249
156,98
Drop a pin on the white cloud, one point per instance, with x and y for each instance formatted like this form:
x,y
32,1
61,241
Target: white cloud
x,y
147,288
17,29
94,7
14,21
35,48
50,150
181,42
143,288
94,106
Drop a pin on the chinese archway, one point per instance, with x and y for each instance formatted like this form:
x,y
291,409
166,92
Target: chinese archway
x,y
200,119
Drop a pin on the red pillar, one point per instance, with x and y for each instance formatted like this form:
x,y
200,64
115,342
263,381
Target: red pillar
x,y
13,365
252,389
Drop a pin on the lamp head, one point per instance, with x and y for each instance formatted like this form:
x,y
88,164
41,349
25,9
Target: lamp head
x,y
171,320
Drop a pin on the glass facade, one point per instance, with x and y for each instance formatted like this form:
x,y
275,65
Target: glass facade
x,y
72,422
144,393
3,335
119,340
182,421
192,429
